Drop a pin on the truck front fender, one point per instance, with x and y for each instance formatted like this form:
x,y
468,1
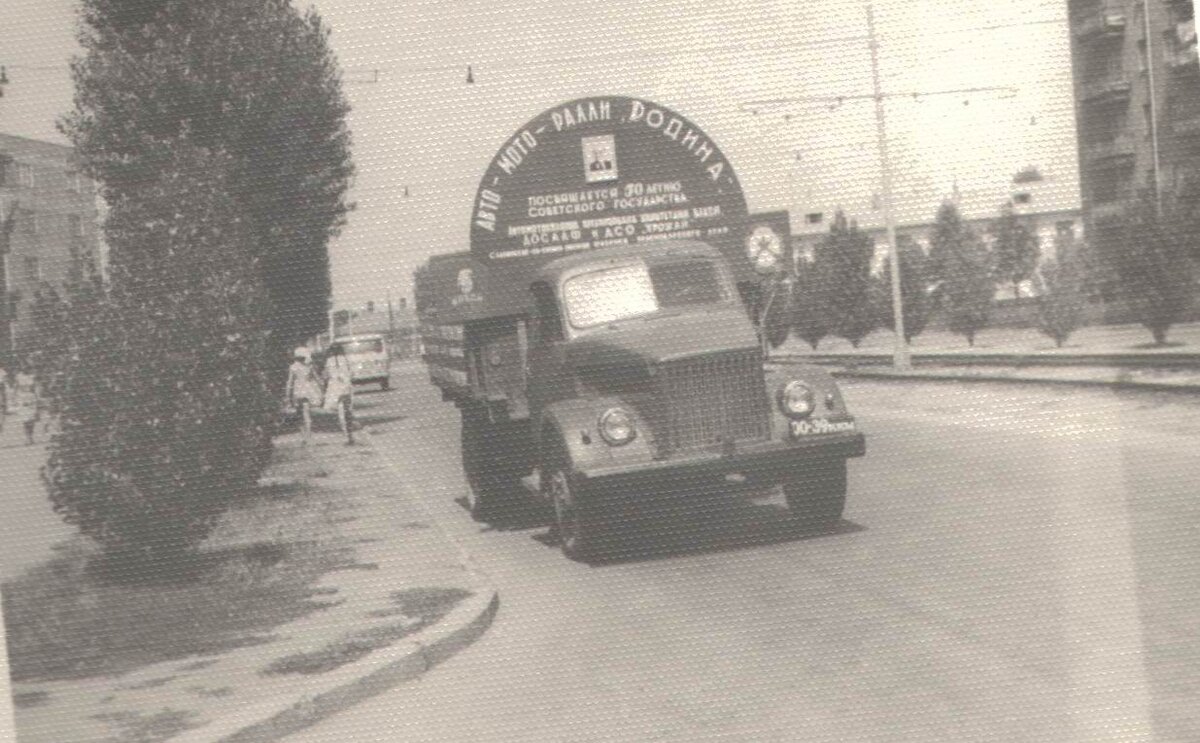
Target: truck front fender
x,y
575,423
827,396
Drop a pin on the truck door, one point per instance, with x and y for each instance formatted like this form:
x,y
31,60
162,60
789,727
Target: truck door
x,y
549,379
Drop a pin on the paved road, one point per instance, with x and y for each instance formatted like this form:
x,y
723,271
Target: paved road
x,y
1016,564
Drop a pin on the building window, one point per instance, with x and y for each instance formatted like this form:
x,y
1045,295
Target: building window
x,y
73,181
1148,117
1024,197
25,175
814,217
33,269
1143,58
75,225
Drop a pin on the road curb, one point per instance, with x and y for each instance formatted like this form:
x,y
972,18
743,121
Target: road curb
x,y
1119,384
355,682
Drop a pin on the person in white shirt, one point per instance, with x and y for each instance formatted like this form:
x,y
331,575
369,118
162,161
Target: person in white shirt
x,y
339,390
303,388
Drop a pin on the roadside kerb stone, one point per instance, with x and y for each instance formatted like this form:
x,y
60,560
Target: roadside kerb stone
x,y
227,697
363,679
1123,379
343,688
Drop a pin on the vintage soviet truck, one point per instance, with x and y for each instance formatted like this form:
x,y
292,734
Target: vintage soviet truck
x,y
624,375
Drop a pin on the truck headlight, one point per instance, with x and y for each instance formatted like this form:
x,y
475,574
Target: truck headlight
x,y
617,427
796,399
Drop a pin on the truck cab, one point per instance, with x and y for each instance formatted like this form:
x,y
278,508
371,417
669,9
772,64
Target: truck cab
x,y
645,378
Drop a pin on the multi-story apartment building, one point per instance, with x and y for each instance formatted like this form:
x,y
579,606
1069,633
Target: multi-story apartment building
x,y
1137,103
48,230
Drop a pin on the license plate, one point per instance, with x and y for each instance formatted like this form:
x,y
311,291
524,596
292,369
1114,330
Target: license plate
x,y
818,426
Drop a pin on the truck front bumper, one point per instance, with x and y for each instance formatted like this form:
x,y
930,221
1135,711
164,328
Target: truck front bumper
x,y
757,462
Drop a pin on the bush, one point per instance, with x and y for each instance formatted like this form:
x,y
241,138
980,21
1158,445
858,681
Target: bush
x,y
1156,273
961,264
914,290
843,260
1061,303
166,412
810,309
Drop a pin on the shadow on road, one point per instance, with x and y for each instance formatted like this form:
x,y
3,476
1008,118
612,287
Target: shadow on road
x,y
728,525
711,523
522,514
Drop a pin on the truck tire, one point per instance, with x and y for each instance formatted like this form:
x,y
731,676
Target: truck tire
x,y
493,463
581,533
817,498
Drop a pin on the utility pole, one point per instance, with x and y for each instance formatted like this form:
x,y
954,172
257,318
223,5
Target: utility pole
x,y
391,318
1153,106
900,356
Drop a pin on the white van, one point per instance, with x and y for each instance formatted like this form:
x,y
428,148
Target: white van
x,y
370,360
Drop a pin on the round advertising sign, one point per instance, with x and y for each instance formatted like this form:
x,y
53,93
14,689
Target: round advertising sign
x,y
597,172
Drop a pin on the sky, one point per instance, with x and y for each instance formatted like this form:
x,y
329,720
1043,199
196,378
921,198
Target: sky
x,y
421,126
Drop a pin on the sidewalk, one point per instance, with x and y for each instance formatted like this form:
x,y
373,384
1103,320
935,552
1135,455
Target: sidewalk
x,y
31,529
341,584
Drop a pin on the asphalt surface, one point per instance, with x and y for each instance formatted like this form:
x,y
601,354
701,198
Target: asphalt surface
x,y
1016,564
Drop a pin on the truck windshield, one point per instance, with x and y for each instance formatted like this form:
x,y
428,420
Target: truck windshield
x,y
618,293
370,345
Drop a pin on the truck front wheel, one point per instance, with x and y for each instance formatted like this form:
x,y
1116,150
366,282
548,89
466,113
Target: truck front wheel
x,y
817,496
575,514
493,466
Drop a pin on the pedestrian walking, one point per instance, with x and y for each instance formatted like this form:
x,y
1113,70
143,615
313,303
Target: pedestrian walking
x,y
3,396
303,389
339,390
27,400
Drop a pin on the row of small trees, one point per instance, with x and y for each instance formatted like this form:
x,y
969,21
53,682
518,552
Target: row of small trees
x,y
836,294
216,133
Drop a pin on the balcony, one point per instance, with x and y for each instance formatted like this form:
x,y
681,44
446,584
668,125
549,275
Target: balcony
x,y
1109,152
1108,90
1102,23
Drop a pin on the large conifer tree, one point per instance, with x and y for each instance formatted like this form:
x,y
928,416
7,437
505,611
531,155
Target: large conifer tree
x,y
252,80
961,266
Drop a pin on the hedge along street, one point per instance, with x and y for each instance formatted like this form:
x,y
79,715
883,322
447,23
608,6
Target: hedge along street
x,y
334,541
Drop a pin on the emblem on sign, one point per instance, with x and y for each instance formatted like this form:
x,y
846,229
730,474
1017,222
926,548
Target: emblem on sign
x,y
599,158
466,281
764,247
466,288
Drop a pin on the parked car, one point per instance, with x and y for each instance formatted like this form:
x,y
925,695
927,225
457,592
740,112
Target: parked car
x,y
369,357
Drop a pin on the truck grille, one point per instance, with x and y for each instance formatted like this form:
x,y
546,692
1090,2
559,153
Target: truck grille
x,y
711,399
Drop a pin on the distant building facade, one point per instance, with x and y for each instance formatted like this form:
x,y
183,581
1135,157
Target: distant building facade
x,y
49,230
1137,103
